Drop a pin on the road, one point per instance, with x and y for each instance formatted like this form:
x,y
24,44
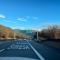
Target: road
x,y
27,49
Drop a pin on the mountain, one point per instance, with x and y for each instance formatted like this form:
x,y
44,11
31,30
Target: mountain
x,y
6,32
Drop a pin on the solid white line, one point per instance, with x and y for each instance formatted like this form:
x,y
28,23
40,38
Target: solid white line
x,y
37,53
2,50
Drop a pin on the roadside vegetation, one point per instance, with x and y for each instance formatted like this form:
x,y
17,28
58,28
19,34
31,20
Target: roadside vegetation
x,y
51,32
50,36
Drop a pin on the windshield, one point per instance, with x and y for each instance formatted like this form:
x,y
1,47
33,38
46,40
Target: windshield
x,y
29,30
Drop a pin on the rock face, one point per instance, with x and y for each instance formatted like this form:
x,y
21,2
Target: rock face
x,y
7,33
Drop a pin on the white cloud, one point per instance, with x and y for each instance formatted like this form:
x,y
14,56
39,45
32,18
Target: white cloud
x,y
2,16
21,19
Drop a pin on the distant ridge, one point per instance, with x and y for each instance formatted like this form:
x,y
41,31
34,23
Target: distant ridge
x,y
6,32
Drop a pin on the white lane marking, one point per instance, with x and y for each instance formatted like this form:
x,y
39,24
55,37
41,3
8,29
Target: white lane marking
x,y
2,50
21,43
37,53
13,46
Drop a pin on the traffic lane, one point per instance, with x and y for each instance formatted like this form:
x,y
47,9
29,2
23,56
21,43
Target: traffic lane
x,y
37,53
5,44
19,51
47,52
1,42
20,41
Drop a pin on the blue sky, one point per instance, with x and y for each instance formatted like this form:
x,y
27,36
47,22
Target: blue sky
x,y
29,14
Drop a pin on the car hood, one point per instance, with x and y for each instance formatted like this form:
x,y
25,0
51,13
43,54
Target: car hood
x,y
16,58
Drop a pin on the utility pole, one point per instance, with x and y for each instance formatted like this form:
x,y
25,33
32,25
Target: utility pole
x,y
37,35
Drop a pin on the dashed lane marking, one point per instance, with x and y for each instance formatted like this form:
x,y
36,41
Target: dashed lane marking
x,y
2,50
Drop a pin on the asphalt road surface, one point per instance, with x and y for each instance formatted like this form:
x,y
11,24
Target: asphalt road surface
x,y
27,50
